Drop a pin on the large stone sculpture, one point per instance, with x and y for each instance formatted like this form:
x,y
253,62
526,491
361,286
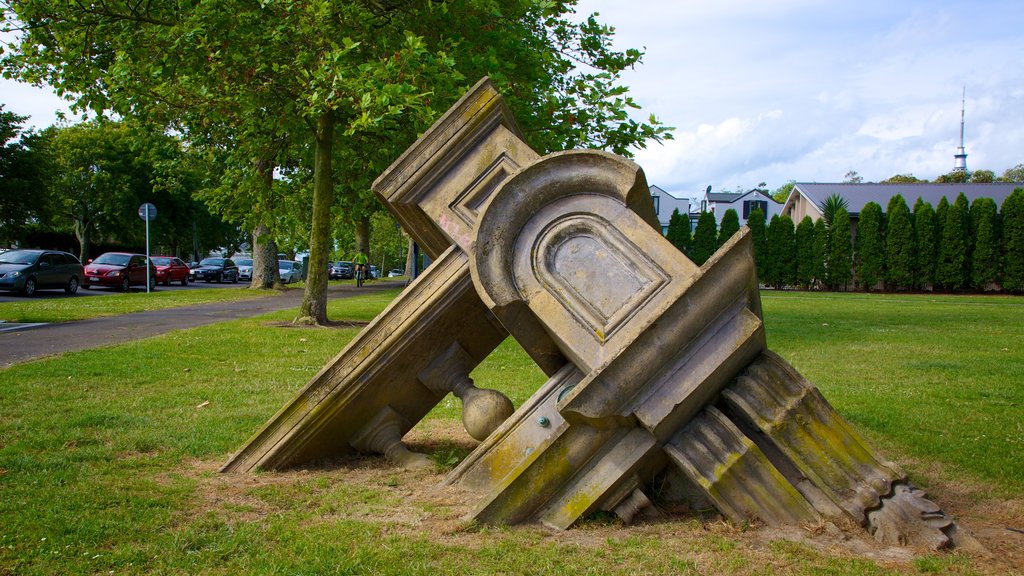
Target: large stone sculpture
x,y
659,372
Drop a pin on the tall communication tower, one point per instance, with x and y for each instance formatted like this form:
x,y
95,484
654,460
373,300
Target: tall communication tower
x,y
960,158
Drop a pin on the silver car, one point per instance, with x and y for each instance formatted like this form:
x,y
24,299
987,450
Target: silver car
x,y
290,270
244,268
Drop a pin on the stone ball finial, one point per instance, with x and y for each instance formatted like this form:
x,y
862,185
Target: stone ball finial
x,y
483,411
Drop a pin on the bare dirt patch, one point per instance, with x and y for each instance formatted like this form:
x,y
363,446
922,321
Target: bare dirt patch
x,y
417,504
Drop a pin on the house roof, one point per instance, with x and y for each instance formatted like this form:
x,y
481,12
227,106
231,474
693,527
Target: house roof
x,y
723,196
858,195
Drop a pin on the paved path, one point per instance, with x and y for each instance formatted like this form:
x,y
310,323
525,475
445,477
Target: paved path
x,y
48,339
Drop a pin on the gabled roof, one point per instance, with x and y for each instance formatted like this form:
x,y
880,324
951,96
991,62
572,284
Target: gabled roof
x,y
858,195
733,197
723,196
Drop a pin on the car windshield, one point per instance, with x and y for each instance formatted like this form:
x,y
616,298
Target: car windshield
x,y
162,261
212,262
244,262
285,265
19,257
113,259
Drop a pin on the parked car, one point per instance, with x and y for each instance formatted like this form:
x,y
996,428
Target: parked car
x,y
216,270
170,269
290,270
341,270
119,270
374,273
26,271
244,269
396,272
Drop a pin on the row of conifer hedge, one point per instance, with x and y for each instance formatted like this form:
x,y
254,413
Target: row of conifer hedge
x,y
955,247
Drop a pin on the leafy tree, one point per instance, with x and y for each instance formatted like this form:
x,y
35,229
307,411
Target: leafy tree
x,y
1013,241
900,252
781,193
840,257
805,265
982,176
22,170
781,265
822,248
926,244
704,238
941,210
953,268
985,260
679,231
730,225
869,247
954,177
1015,174
759,237
852,177
902,179
340,88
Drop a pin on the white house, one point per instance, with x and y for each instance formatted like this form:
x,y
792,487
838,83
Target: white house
x,y
742,202
665,203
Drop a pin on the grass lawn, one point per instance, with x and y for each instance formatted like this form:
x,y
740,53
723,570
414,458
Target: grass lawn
x,y
108,457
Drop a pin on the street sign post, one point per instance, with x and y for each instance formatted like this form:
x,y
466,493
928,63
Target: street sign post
x,y
148,213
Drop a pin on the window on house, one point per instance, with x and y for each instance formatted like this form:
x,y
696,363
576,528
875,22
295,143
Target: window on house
x,y
657,204
749,205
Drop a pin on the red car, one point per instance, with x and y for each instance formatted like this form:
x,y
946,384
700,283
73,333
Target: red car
x,y
119,270
170,269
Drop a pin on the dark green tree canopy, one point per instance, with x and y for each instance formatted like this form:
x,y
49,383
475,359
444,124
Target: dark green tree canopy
x,y
704,238
870,247
730,225
900,253
759,237
679,231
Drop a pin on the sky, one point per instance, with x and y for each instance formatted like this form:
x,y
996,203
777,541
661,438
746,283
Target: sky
x,y
803,90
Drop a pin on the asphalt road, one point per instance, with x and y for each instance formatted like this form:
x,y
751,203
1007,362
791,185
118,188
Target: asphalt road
x,y
82,293
48,339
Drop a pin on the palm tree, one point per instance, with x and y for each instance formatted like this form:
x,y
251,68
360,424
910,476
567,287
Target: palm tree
x,y
830,206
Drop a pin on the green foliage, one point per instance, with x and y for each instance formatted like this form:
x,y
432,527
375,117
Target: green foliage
x,y
781,193
730,225
985,256
900,252
1012,212
22,176
822,249
831,205
952,271
781,265
759,237
840,256
1015,174
926,244
805,265
982,177
679,231
954,177
870,247
704,239
902,179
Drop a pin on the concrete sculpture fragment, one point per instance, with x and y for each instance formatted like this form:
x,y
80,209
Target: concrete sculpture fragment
x,y
657,367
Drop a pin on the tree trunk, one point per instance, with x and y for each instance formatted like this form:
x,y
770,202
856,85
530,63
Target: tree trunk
x,y
363,235
82,233
409,260
265,271
314,302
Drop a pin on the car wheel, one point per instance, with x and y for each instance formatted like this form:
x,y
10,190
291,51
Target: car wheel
x,y
152,284
30,287
220,278
72,286
184,280
234,279
126,285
